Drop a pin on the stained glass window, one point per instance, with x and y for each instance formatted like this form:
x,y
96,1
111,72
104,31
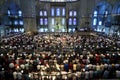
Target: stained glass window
x,y
52,12
74,21
20,13
53,21
58,12
70,13
75,13
41,21
45,13
70,21
41,14
15,22
21,22
63,11
46,21
100,22
95,13
8,12
63,21
94,21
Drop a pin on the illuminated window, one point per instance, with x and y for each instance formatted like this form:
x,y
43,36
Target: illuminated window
x,y
41,14
58,12
41,30
52,12
75,13
63,30
53,21
43,17
63,21
106,12
95,13
20,13
8,12
16,22
100,22
70,13
46,29
70,21
63,11
52,30
21,22
46,21
45,13
41,21
14,18
22,29
15,30
73,29
69,29
74,21
94,21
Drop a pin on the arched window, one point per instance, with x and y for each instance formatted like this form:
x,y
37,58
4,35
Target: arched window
x,y
14,14
70,21
43,20
58,12
8,12
70,13
100,23
101,14
94,21
20,13
52,12
74,21
63,11
46,21
41,14
21,22
53,21
63,21
95,14
75,13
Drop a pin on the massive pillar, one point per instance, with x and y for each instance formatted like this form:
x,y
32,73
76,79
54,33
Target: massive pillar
x,y
86,10
29,15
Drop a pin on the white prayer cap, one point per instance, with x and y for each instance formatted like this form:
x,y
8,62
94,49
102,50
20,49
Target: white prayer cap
x,y
11,65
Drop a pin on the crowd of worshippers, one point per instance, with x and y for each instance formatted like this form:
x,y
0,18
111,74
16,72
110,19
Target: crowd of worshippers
x,y
59,57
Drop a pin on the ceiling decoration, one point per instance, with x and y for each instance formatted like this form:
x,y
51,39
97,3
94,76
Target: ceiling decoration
x,y
58,0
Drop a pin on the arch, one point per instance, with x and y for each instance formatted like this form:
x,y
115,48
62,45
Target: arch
x,y
103,6
14,8
15,19
116,8
101,13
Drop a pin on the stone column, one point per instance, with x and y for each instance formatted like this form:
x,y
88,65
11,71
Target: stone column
x,y
29,15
